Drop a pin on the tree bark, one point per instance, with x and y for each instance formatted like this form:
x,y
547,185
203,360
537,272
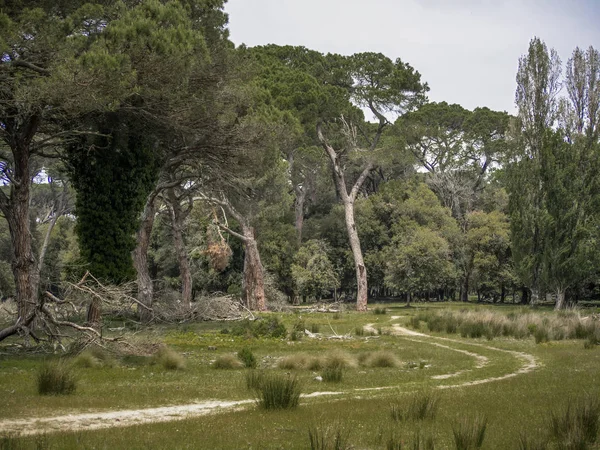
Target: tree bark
x,y
464,289
348,198
253,287
145,293
177,219
299,210
560,300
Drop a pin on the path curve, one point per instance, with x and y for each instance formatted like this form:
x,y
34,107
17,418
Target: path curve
x,y
124,418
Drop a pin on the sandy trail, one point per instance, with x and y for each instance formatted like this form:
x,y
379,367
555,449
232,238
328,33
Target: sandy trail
x,y
124,418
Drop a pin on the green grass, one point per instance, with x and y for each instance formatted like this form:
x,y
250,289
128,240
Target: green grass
x,y
278,392
56,379
567,370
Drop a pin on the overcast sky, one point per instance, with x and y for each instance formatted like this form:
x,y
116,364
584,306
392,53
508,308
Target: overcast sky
x,y
467,50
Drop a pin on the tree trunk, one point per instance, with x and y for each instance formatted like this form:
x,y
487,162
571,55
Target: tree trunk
x,y
535,297
177,218
299,211
253,289
560,300
94,313
464,289
359,264
145,293
16,211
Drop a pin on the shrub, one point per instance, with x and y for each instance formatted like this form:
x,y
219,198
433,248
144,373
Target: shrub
x,y
469,433
331,438
169,359
246,356
227,362
332,374
278,392
56,379
382,359
578,423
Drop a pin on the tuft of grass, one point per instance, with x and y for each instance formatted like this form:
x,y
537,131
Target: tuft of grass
x,y
56,379
380,359
278,392
577,424
333,374
246,356
359,331
297,361
330,438
227,362
94,358
254,379
469,433
379,311
338,358
315,328
527,442
169,359
419,442
421,406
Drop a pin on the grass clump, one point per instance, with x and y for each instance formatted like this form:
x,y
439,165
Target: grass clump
x,y
261,327
297,361
419,442
94,358
330,438
577,425
169,359
380,359
379,311
227,362
421,406
469,433
254,379
56,379
333,374
247,358
527,442
278,392
339,358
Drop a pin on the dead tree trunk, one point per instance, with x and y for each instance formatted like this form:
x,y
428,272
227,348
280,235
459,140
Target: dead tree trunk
x,y
348,199
145,288
560,299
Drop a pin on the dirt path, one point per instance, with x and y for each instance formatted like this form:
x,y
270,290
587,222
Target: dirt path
x,y
124,418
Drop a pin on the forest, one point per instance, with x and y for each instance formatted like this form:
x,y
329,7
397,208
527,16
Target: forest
x,y
138,144
178,208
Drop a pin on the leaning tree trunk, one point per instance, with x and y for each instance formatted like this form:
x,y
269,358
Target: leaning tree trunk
x,y
185,272
145,294
253,289
362,292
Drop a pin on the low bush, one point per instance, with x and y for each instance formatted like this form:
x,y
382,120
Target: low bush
x,y
169,359
227,362
247,358
278,392
56,379
469,433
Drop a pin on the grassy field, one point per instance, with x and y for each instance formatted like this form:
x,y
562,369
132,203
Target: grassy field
x,y
470,377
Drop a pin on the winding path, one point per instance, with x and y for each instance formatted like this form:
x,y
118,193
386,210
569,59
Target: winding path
x,y
124,418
